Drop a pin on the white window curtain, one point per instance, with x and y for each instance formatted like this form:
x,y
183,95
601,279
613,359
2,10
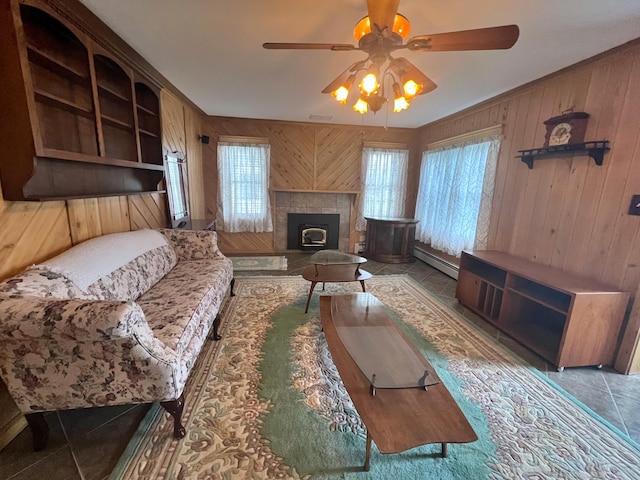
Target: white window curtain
x,y
243,193
455,195
384,184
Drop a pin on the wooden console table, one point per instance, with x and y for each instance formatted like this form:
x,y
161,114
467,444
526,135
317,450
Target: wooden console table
x,y
390,240
569,320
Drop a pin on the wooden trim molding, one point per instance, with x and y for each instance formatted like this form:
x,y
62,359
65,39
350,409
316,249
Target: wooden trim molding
x,y
233,139
465,137
387,145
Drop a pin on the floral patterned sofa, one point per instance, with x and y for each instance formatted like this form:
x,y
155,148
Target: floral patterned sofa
x,y
117,319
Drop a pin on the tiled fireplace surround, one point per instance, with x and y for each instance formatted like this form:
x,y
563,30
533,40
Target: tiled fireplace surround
x,y
312,202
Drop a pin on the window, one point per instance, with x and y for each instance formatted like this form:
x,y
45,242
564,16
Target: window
x,y
455,195
176,175
384,184
243,193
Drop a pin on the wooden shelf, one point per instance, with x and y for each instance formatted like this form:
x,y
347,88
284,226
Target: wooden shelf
x,y
537,300
103,89
569,320
61,103
114,122
81,158
48,62
147,133
146,110
595,150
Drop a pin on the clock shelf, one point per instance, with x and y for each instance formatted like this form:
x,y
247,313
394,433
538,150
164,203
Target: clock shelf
x,y
595,150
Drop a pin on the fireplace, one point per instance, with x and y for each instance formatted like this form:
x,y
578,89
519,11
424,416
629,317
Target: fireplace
x,y
313,231
313,237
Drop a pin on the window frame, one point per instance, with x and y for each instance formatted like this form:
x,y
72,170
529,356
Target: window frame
x,y
177,189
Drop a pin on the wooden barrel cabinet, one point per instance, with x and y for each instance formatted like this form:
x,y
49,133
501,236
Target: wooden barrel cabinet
x,y
390,240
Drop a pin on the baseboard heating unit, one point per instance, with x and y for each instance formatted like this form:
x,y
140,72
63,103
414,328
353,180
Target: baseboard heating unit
x,y
436,262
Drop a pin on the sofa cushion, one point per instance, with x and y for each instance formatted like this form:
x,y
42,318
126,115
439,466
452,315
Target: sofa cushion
x,y
40,282
175,306
119,266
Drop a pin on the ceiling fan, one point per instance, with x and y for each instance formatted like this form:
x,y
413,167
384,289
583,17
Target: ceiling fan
x,y
382,32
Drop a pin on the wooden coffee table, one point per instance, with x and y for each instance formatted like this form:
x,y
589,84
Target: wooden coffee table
x,y
334,266
396,419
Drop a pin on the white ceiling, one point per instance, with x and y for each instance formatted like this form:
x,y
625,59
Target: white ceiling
x,y
211,50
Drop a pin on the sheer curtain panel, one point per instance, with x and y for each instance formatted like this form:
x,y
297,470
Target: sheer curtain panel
x,y
384,184
243,193
455,195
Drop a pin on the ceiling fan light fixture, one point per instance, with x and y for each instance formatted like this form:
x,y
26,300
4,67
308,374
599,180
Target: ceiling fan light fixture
x,y
342,92
376,102
401,26
361,106
369,85
411,88
399,101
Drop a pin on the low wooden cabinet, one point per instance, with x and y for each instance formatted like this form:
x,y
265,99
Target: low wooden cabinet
x,y
568,320
390,240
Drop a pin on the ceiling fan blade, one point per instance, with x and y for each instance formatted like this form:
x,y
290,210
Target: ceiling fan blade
x,y
340,79
416,74
491,38
309,46
382,13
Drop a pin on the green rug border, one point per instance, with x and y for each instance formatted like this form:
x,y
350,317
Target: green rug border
x,y
283,260
149,420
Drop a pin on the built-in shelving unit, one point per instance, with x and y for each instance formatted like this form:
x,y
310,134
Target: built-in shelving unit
x,y
569,320
148,109
595,150
83,122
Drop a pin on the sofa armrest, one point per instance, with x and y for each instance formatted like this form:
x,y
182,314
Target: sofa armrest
x,y
30,318
193,244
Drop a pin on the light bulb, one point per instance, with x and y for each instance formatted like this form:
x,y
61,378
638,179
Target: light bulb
x,y
361,106
400,104
341,94
411,88
369,84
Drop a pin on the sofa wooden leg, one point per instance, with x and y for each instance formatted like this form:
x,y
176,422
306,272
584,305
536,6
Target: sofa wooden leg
x,y
39,430
216,325
175,407
233,282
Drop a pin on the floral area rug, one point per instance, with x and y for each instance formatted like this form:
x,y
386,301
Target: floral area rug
x,y
267,402
259,263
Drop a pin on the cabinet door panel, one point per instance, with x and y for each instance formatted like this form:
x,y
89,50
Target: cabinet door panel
x,y
468,289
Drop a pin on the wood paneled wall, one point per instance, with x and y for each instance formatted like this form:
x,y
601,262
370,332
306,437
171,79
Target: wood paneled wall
x,y
568,212
180,131
305,157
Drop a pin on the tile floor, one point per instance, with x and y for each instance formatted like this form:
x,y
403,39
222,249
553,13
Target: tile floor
x,y
86,444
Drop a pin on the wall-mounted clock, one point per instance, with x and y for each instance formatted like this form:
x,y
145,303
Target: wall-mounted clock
x,y
565,129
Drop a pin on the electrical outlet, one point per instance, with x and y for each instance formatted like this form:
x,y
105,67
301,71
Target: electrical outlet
x,y
634,208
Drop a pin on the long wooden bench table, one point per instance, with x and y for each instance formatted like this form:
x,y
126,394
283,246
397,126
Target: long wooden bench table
x,y
396,419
